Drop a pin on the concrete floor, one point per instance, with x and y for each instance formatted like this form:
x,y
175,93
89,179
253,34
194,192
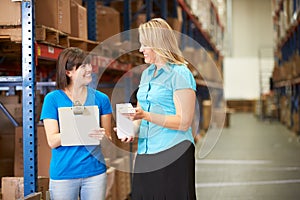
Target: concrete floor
x,y
252,160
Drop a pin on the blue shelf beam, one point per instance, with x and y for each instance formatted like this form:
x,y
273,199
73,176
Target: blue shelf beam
x,y
28,94
127,14
164,9
174,12
127,19
149,9
92,19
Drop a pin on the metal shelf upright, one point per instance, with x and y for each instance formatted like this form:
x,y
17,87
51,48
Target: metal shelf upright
x,y
28,94
92,19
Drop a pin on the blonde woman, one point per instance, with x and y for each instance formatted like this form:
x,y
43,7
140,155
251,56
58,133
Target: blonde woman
x,y
165,163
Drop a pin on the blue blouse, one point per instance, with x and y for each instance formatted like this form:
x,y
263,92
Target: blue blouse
x,y
155,95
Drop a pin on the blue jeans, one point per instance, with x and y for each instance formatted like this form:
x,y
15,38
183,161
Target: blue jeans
x,y
91,188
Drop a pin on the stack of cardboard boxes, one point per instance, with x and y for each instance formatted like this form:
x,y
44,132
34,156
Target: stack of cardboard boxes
x,y
13,188
69,17
66,16
7,137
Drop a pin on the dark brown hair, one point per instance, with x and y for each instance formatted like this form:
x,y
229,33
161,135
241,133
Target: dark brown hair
x,y
68,59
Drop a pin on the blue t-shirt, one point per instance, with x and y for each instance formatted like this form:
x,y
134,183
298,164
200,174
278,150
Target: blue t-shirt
x,y
68,162
155,95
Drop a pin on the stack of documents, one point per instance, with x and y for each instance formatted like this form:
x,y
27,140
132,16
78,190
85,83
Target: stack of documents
x,y
125,126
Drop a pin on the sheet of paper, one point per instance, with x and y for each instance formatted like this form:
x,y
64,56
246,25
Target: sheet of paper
x,y
125,126
74,129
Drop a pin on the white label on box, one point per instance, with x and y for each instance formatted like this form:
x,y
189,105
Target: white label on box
x,y
50,49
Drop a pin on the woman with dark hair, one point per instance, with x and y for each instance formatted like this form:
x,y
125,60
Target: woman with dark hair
x,y
76,171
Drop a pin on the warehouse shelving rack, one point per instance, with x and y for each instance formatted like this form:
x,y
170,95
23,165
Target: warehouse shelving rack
x,y
128,16
191,27
287,46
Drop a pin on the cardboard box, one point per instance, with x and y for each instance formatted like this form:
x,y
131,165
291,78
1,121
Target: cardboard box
x,y
16,110
54,13
78,1
122,177
78,21
206,114
43,152
10,13
11,99
13,106
135,5
108,22
175,23
13,187
6,125
7,146
6,167
140,19
34,196
110,183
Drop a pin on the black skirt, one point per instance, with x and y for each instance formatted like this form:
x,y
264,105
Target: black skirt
x,y
168,175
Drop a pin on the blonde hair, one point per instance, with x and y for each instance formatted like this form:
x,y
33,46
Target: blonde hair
x,y
160,37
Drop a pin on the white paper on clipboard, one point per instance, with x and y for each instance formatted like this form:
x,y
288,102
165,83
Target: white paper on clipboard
x,y
74,129
125,126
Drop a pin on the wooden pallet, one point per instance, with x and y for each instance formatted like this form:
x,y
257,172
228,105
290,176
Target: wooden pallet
x,y
86,45
45,35
5,38
11,33
51,36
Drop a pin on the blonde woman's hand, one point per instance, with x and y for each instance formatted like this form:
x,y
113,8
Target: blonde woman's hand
x,y
125,139
139,114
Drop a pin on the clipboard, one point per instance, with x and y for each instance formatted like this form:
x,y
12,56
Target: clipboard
x,y
74,127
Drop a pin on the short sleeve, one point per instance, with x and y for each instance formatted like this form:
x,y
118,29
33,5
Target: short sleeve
x,y
49,108
183,78
104,105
